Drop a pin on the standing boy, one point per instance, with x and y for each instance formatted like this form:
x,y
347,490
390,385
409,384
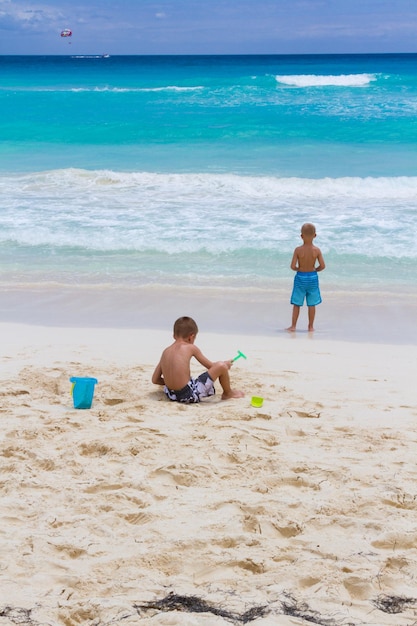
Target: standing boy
x,y
173,369
307,260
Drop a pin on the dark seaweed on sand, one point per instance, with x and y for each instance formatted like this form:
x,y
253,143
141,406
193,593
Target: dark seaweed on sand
x,y
17,615
393,604
194,604
290,606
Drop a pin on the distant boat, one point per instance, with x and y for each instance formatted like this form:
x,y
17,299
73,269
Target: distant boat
x,y
90,56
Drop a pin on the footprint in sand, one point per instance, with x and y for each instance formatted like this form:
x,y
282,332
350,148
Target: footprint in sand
x,y
138,518
182,474
18,453
103,487
309,414
255,415
113,401
95,449
289,529
309,581
397,541
72,551
358,587
46,464
404,500
224,571
15,392
83,615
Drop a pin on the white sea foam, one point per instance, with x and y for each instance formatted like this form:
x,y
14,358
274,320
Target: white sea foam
x,y
314,80
209,213
134,89
172,88
102,89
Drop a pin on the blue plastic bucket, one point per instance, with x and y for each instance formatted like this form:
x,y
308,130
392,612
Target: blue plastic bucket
x,y
82,392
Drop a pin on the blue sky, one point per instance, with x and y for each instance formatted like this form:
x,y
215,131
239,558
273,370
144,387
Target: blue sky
x,y
208,27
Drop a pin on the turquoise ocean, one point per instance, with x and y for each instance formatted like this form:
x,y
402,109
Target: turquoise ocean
x,y
142,173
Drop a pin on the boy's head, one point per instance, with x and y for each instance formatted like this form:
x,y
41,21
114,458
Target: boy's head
x,y
184,327
308,231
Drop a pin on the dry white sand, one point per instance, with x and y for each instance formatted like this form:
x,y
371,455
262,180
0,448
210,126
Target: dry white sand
x,y
306,507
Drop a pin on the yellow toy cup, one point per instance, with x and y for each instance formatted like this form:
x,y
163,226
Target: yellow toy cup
x,y
257,402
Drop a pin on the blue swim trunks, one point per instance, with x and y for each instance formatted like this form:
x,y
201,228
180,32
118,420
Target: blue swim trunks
x,y
194,390
306,286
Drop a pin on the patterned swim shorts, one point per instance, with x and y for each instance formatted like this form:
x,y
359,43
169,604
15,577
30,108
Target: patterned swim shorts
x,y
194,390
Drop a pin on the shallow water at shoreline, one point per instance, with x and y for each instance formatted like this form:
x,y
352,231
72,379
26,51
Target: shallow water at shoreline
x,y
132,229
355,317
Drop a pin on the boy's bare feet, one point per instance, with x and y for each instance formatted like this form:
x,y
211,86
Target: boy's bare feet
x,y
232,394
291,329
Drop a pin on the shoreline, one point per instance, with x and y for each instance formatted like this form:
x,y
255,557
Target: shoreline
x,y
373,317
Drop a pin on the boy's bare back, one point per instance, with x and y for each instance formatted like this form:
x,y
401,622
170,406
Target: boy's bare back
x,y
175,363
305,258
307,255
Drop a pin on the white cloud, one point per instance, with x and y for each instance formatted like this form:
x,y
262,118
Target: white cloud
x,y
16,15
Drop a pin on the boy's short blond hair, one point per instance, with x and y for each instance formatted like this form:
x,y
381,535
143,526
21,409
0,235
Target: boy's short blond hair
x,y
308,229
184,327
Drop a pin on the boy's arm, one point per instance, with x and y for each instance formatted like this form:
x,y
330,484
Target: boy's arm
x,y
157,377
321,266
199,356
294,260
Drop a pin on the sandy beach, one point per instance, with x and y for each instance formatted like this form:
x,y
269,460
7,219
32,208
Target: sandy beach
x,y
139,188
144,511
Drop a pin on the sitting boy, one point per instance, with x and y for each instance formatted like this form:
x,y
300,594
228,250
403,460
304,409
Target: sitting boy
x,y
173,369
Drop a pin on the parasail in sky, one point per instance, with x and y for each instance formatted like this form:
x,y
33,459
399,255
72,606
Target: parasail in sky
x,y
66,32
